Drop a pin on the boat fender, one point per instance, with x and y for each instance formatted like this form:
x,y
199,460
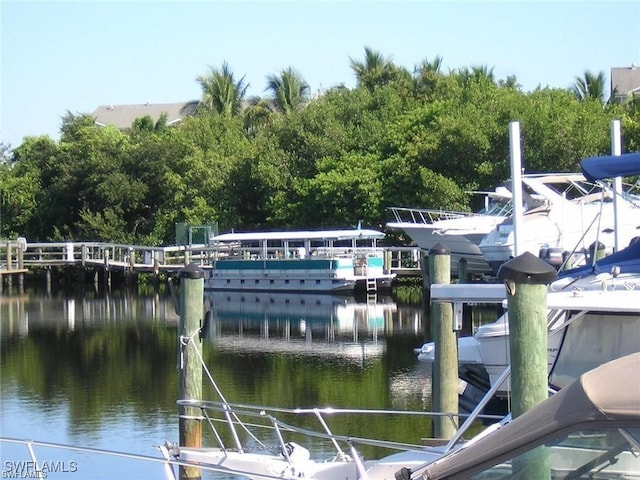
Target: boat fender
x,y
403,474
296,453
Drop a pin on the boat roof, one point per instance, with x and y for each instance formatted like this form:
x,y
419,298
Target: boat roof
x,y
611,166
347,234
608,393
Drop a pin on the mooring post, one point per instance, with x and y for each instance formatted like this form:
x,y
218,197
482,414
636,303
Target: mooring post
x,y
445,369
462,270
9,259
20,254
526,279
190,348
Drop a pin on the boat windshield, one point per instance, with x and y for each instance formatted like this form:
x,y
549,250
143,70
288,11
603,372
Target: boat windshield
x,y
609,453
500,208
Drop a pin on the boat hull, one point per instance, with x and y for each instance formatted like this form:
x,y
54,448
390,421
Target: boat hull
x,y
460,246
298,275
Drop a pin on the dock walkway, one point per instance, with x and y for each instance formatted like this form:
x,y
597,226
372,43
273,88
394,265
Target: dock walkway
x,y
19,258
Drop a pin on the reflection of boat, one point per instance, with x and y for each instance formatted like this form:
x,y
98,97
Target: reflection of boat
x,y
462,232
298,323
303,261
567,225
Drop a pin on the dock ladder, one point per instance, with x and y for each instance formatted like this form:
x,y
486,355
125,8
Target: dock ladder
x,y
372,285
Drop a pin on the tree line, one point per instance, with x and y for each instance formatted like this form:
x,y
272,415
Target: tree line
x,y
421,138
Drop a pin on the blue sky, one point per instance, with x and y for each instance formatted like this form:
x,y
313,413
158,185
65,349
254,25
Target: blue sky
x,y
77,55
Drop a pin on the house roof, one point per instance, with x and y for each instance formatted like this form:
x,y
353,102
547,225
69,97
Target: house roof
x,y
625,80
122,116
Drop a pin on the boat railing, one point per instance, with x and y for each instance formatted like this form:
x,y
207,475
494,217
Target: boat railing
x,y
40,466
424,216
247,420
256,253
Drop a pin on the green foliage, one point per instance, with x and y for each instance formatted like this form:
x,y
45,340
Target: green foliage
x,y
289,91
397,139
221,92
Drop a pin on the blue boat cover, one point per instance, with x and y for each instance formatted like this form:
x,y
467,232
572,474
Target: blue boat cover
x,y
598,168
628,259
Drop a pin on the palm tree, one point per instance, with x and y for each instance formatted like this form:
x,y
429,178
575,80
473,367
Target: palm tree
x,y
376,69
257,114
427,66
590,86
482,71
510,82
288,90
221,92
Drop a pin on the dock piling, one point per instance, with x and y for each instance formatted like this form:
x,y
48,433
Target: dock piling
x,y
526,279
445,369
190,348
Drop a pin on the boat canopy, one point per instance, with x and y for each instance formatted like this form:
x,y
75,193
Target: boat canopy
x,y
627,260
354,234
608,393
598,168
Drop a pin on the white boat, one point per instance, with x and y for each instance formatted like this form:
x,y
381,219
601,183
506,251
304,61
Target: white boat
x,y
597,304
463,232
570,227
299,261
591,339
590,429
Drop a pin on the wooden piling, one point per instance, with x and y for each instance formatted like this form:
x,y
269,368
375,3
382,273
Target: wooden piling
x,y
190,348
20,255
526,280
462,270
445,368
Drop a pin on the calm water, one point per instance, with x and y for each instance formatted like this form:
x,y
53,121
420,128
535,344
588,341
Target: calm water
x,y
99,369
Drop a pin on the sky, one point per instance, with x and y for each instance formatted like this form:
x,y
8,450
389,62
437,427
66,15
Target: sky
x,y
59,56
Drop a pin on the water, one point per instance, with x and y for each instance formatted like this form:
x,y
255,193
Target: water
x,y
100,369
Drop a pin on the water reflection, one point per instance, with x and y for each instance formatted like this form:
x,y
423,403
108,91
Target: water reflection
x,y
101,369
300,324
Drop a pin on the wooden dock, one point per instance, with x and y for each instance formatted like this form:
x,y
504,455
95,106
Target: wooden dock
x,y
17,258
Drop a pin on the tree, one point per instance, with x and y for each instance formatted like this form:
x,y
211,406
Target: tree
x,y
590,86
375,70
257,115
221,92
475,73
288,90
428,66
73,124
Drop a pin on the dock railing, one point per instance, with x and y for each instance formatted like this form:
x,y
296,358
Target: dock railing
x,y
18,256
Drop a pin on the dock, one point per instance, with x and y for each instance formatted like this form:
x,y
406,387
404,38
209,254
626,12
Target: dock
x,y
103,260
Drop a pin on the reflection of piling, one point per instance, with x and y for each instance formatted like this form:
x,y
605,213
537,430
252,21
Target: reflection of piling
x,y
445,369
526,278
190,348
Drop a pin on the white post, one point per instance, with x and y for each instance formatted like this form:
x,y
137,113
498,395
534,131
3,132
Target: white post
x,y
616,150
516,184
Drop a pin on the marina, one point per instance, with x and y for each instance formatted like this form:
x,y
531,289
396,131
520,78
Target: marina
x,y
98,368
593,309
